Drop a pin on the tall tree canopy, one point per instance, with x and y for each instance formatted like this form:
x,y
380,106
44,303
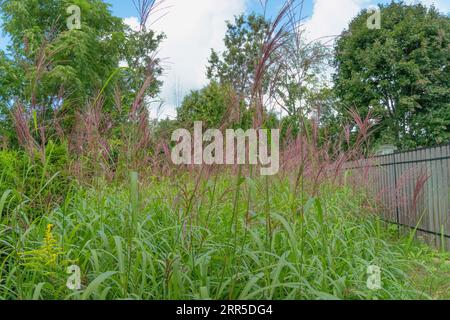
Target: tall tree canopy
x,y
401,72
51,68
236,65
79,60
214,105
291,81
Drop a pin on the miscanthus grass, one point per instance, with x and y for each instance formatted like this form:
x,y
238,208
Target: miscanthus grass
x,y
155,241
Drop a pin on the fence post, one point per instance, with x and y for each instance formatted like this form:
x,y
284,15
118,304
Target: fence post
x,y
396,192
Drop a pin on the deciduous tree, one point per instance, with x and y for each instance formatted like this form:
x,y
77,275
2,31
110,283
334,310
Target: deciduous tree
x,y
400,72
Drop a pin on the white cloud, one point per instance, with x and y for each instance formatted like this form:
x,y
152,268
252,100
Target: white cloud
x,y
192,30
133,22
330,18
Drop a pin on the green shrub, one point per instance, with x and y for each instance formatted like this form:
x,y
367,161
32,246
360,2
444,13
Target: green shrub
x,y
34,183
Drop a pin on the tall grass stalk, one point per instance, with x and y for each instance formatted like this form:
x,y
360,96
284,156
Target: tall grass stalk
x,y
322,254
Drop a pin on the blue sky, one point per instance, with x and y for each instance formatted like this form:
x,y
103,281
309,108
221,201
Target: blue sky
x,y
125,8
193,27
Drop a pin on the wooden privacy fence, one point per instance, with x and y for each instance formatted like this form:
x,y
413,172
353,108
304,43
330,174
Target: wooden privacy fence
x,y
413,188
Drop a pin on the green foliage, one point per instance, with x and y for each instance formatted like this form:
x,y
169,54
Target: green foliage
x,y
173,252
38,183
400,72
214,105
226,237
294,76
81,59
46,256
299,81
139,52
236,65
58,71
9,80
54,70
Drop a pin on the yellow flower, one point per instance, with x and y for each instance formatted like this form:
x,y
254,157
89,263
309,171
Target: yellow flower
x,y
47,255
49,240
